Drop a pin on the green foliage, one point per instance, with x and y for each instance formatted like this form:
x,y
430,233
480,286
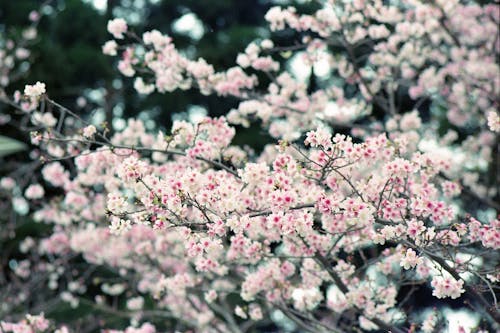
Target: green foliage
x,y
9,146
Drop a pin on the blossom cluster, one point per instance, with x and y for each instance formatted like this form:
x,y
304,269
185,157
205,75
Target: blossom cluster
x,y
39,324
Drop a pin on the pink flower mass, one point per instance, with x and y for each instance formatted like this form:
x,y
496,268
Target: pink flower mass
x,y
333,226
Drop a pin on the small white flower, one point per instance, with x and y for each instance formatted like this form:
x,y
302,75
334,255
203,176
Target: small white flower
x,y
410,260
35,90
113,289
135,303
109,48
117,27
210,296
7,183
89,131
143,88
34,191
119,226
267,44
240,313
493,121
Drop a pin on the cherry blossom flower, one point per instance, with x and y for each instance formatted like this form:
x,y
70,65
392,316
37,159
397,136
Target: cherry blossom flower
x,y
35,90
34,191
117,27
110,48
89,131
447,287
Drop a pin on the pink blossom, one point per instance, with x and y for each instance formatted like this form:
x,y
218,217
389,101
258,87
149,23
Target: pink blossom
x,y
117,27
131,169
110,48
7,183
34,191
410,259
447,287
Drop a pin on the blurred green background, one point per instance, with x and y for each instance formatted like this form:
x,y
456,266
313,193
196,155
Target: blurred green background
x,y
67,52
